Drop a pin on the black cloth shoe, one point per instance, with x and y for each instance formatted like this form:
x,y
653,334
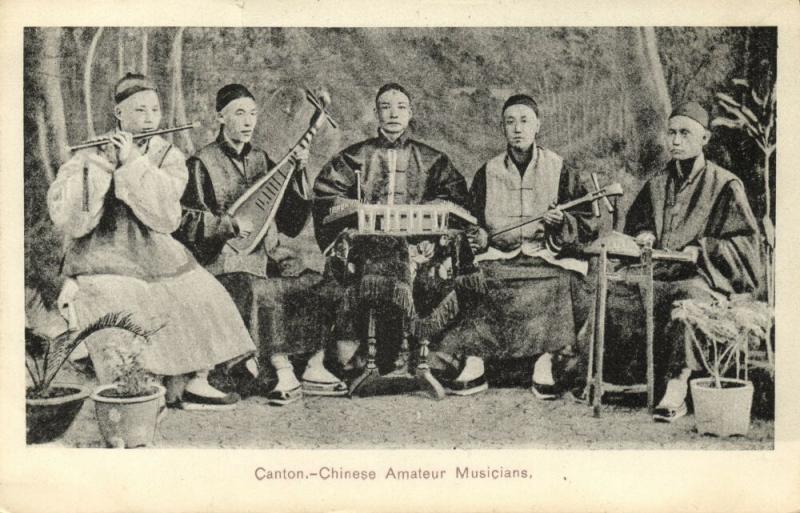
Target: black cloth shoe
x,y
192,401
670,414
284,397
453,386
464,388
544,392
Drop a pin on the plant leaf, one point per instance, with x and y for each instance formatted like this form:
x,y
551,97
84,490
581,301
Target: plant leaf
x,y
726,99
726,122
769,231
751,116
761,102
741,82
63,345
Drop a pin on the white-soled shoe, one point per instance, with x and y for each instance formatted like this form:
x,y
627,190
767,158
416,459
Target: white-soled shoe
x,y
669,413
318,380
471,380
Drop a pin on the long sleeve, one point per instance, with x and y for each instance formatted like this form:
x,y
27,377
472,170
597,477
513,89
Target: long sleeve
x,y
730,252
640,217
152,187
477,193
580,225
295,207
204,228
76,202
446,183
336,180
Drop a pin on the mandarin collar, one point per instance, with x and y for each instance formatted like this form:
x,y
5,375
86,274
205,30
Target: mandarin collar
x,y
384,142
229,150
697,167
531,163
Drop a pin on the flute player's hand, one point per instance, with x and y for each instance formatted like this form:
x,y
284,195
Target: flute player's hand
x,y
126,149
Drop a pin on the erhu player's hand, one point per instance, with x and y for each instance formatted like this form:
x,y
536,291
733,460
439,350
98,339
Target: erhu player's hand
x,y
478,238
554,216
126,149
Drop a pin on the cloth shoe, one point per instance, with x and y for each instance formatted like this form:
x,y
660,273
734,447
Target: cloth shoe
x,y
543,385
670,414
288,388
317,380
471,378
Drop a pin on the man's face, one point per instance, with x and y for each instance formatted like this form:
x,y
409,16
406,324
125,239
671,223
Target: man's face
x,y
393,110
239,119
520,125
140,112
686,137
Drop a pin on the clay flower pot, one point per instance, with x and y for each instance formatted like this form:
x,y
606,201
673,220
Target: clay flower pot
x,y
722,411
127,422
49,418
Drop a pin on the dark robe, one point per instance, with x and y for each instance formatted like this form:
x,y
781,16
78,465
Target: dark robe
x,y
218,175
422,174
707,208
404,171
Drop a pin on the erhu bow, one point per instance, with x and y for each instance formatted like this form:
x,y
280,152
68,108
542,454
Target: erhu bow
x,y
593,197
260,202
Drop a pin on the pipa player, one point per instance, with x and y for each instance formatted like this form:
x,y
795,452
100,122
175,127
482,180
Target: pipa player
x,y
218,175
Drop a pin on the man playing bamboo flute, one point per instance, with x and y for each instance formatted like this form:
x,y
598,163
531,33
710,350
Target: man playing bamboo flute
x,y
392,168
697,207
218,174
117,205
532,279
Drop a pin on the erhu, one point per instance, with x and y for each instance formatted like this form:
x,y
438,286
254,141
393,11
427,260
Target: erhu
x,y
107,140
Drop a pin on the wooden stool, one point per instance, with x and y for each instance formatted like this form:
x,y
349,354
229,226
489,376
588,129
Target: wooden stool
x,y
645,278
617,245
400,380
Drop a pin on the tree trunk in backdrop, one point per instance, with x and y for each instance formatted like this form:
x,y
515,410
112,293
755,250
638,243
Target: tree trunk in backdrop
x,y
44,150
177,109
51,69
646,90
120,53
144,51
87,82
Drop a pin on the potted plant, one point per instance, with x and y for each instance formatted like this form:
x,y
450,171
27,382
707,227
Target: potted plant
x,y
51,407
128,409
722,332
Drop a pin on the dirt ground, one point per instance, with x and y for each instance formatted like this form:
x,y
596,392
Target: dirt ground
x,y
498,418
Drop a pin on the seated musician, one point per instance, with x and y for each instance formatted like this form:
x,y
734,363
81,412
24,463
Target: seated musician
x,y
392,168
699,208
541,291
218,175
118,204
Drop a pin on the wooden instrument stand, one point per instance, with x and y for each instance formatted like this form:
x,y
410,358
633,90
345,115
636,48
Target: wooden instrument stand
x,y
617,245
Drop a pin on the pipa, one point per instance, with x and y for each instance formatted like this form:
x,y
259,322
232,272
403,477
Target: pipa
x,y
259,203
